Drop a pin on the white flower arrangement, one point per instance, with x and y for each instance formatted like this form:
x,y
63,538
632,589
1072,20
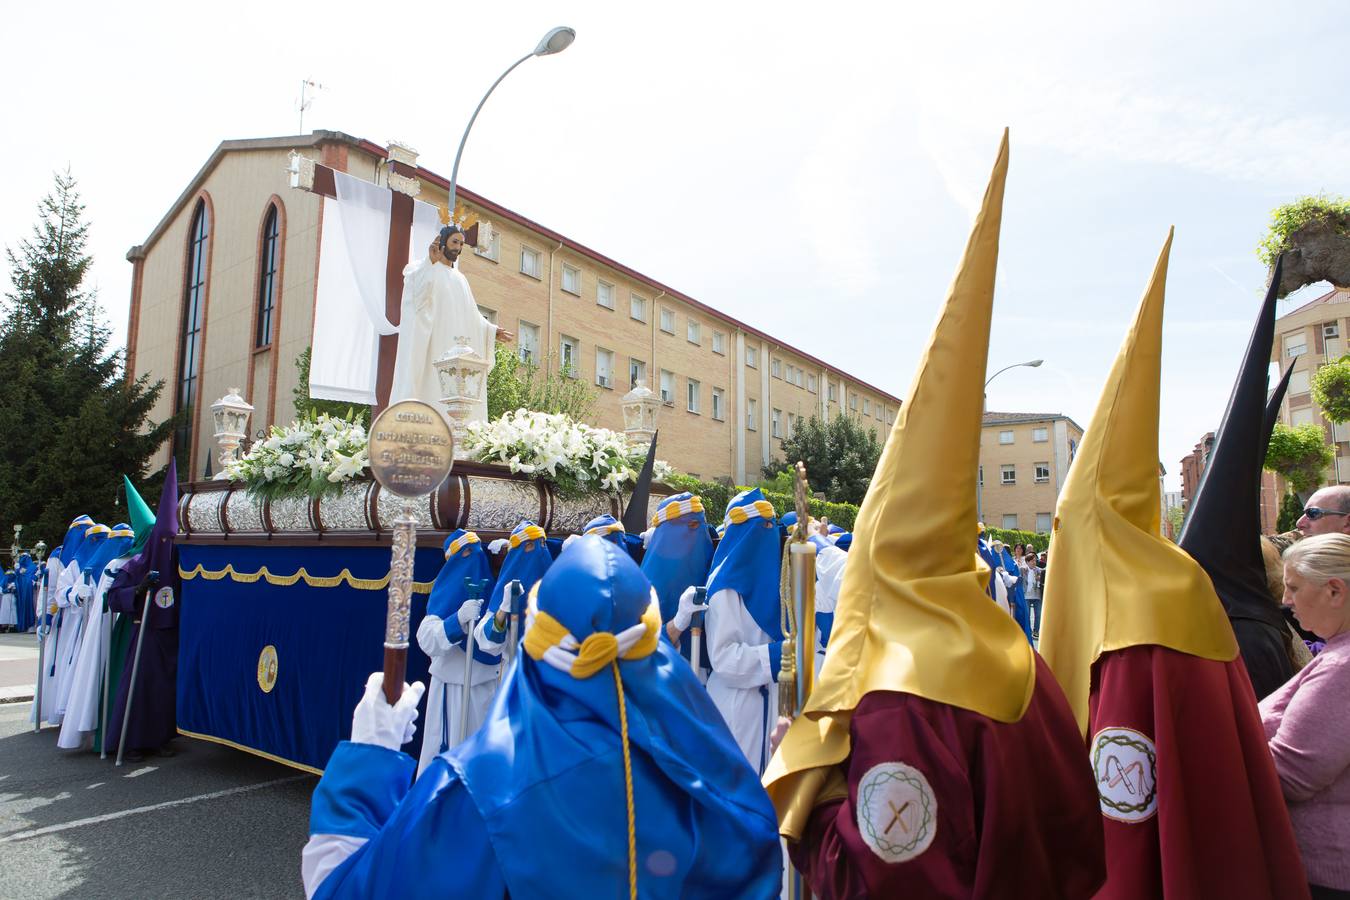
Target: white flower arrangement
x,y
309,458
577,457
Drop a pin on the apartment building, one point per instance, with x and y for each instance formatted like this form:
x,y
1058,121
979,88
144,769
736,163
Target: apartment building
x,y
1024,459
224,287
1307,337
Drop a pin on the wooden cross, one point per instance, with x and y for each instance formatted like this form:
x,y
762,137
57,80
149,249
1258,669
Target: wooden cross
x,y
895,819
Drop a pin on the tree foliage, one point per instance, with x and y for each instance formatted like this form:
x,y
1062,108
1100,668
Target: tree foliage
x,y
513,385
840,456
1291,508
1288,219
1331,389
1300,454
71,423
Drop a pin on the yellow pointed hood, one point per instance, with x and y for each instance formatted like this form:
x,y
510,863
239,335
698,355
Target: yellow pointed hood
x,y
913,615
1114,581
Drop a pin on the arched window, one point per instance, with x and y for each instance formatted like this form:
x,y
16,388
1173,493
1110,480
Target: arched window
x,y
270,257
190,348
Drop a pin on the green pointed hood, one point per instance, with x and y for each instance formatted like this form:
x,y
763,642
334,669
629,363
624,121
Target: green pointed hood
x,y
142,517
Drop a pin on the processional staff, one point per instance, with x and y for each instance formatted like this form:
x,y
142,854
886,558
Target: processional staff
x,y
474,591
44,628
505,620
411,452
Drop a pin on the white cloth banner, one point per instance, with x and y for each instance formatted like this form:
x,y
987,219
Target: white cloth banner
x,y
349,300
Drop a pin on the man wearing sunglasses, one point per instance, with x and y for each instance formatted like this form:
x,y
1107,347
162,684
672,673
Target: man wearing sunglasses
x,y
1327,511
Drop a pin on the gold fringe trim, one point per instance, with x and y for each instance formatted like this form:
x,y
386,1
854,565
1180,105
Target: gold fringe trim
x,y
265,755
318,581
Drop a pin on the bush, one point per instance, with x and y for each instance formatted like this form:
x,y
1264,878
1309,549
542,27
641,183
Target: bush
x,y
1287,219
716,497
1300,453
1331,389
1012,538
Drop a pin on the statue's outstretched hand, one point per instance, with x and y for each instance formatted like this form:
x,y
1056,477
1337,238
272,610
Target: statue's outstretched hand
x,y
505,336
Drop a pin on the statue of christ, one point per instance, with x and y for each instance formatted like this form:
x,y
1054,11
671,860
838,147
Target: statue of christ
x,y
437,308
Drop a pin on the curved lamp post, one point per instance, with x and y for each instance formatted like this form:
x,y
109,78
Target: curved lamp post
x,y
979,482
556,41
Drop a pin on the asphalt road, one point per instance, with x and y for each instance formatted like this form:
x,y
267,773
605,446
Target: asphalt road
x,y
209,822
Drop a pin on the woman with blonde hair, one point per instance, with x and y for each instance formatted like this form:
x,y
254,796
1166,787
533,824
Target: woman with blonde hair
x,y
1307,721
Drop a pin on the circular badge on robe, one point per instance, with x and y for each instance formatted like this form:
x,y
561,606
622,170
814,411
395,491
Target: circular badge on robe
x,y
267,669
164,597
1126,765
897,811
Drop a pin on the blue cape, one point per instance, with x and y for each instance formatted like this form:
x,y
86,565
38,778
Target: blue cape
x,y
1017,597
448,591
527,563
74,537
747,561
679,554
109,549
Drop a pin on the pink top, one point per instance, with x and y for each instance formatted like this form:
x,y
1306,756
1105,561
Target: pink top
x,y
1307,724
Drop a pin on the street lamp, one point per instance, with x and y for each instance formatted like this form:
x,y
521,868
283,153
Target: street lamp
x,y
556,41
979,481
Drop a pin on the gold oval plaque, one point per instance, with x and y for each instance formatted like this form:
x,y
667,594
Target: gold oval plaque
x,y
411,448
267,669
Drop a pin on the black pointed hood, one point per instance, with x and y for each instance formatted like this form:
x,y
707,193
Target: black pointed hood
x,y
1273,409
635,513
1223,529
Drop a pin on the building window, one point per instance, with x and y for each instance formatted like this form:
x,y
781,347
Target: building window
x,y
529,262
668,321
1296,344
528,342
1005,437
694,332
571,279
776,368
493,250
1299,383
752,357
569,356
190,345
867,407
776,421
832,392
751,415
1008,474
691,395
718,407
1042,472
637,307
667,387
1040,435
604,294
1044,522
267,277
800,379
489,314
811,383
604,367
637,372
1010,521
1301,416
719,344
791,425
853,402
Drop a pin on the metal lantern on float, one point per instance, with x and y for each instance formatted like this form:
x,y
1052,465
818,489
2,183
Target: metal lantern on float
x,y
463,376
640,406
231,414
40,550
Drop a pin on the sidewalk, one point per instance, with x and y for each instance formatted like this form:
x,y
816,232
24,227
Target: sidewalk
x,y
18,667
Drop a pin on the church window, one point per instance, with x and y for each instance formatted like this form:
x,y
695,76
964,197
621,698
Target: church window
x,y
694,332
604,367
667,387
719,343
1008,474
604,294
568,356
1042,472
668,321
190,345
1010,521
529,343
751,415
718,405
637,372
529,262
637,307
571,279
270,258
693,390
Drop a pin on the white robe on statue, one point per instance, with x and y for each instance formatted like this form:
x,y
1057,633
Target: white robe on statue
x,y
742,684
446,695
437,307
86,690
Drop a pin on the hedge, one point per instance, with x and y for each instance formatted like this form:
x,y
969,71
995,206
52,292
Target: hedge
x,y
716,497
1013,538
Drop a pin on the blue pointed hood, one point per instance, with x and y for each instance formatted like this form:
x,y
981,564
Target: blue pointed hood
x,y
747,560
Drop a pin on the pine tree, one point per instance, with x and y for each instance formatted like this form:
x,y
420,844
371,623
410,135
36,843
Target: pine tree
x,y
71,423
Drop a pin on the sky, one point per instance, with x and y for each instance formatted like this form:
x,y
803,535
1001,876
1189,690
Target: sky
x,y
812,169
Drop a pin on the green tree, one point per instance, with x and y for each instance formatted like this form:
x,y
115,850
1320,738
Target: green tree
x,y
1331,389
1300,454
840,456
514,385
1291,508
306,407
71,422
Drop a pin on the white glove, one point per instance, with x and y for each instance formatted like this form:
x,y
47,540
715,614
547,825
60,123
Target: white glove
x,y
376,722
505,606
85,591
468,613
497,546
685,614
646,537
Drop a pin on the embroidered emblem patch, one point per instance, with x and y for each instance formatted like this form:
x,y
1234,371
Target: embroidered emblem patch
x,y
267,669
897,812
1126,765
164,597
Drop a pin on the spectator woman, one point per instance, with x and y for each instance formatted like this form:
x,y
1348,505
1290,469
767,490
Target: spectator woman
x,y
1035,581
1307,721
